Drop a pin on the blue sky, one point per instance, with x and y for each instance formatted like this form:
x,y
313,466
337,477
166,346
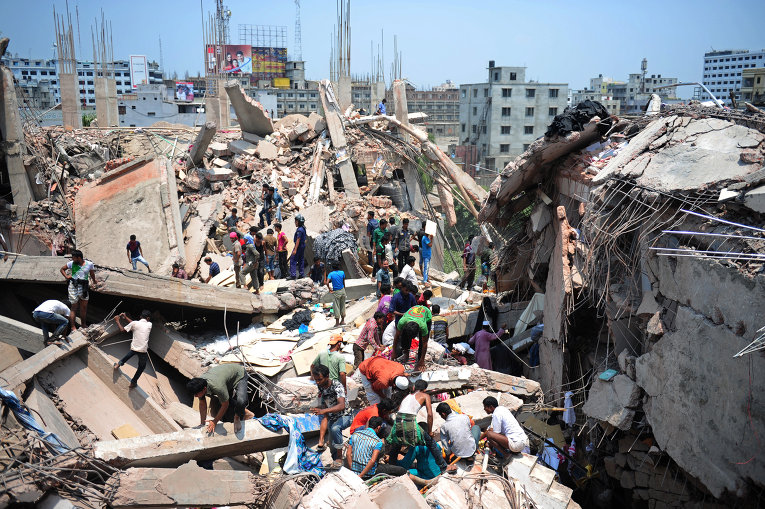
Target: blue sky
x,y
558,41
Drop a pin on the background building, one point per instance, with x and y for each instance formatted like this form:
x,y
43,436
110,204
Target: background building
x,y
753,86
723,72
442,106
501,117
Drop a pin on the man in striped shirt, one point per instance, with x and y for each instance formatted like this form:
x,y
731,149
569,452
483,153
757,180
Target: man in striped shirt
x,y
370,335
365,449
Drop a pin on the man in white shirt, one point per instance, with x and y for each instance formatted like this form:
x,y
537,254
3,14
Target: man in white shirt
x,y
139,345
389,333
52,312
408,271
458,436
504,434
78,275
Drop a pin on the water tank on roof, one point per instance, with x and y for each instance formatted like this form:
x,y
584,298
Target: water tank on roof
x,y
491,64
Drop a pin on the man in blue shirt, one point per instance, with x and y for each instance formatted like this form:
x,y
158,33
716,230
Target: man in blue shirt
x,y
365,449
214,268
381,108
402,301
336,278
297,260
278,202
425,254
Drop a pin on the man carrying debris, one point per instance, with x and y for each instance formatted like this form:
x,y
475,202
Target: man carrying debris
x,y
281,250
226,384
378,375
408,273
365,448
52,312
370,335
458,435
252,260
425,255
505,435
236,250
336,278
403,243
139,345
213,267
333,359
333,408
79,279
135,253
297,260
415,322
406,431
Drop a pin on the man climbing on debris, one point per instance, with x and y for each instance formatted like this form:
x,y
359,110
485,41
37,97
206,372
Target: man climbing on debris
x,y
139,345
297,259
213,267
408,273
468,265
403,243
333,359
415,322
52,312
381,108
252,260
372,225
135,254
281,250
378,375
277,201
333,409
505,435
336,279
482,340
406,431
232,221
459,436
226,384
369,336
377,243
78,275
178,272
365,449
236,250
266,196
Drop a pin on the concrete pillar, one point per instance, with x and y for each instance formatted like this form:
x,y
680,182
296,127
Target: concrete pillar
x,y
111,101
102,105
399,104
203,139
344,97
224,106
12,136
70,100
377,94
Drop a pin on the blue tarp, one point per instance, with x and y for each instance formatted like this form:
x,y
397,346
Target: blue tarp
x,y
25,419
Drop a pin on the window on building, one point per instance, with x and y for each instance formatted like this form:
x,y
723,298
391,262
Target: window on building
x,y
507,92
290,95
504,148
132,107
82,82
475,92
552,111
462,126
151,114
531,92
313,106
475,110
529,112
496,76
512,76
505,129
474,128
89,73
529,129
24,73
90,82
464,93
506,111
483,129
553,93
143,98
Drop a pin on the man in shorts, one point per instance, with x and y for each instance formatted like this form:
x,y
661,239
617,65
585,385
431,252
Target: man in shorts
x,y
78,272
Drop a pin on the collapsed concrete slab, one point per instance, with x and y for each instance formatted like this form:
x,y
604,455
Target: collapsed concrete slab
x,y
333,490
337,135
42,405
13,139
186,486
249,112
20,335
449,379
201,142
141,199
613,401
196,231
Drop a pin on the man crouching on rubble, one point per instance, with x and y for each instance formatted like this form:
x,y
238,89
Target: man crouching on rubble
x,y
225,384
505,435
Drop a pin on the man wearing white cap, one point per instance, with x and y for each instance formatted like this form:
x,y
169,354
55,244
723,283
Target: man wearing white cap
x,y
481,341
378,375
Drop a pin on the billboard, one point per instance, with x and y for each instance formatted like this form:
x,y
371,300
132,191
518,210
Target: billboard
x,y
139,71
184,91
268,63
229,59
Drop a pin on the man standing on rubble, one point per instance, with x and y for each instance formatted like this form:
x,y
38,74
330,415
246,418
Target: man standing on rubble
x,y
403,243
277,201
139,345
333,408
333,359
505,434
135,254
270,242
52,312
214,269
481,341
377,244
226,384
236,250
252,261
267,205
382,277
408,273
403,300
297,260
468,265
372,225
281,250
79,279
232,221
336,278
425,255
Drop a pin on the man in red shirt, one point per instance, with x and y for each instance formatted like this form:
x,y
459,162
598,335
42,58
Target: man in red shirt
x,y
382,409
281,250
377,376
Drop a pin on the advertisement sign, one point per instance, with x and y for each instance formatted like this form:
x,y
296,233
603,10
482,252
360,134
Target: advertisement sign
x,y
139,71
235,59
268,63
184,91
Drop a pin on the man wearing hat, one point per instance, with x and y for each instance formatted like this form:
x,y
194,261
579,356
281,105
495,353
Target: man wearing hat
x,y
378,375
333,359
481,341
236,249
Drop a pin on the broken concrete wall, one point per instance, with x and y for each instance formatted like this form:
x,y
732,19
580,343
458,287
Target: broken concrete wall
x,y
252,117
12,138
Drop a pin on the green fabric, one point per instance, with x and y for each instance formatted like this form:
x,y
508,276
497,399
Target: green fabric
x,y
222,379
334,361
419,314
406,431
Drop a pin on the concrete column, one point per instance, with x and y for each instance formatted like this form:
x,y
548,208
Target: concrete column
x,y
13,137
102,105
70,100
344,97
203,139
399,103
111,101
377,90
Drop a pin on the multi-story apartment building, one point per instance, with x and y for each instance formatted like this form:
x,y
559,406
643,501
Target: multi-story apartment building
x,y
502,116
628,97
442,106
723,72
39,79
